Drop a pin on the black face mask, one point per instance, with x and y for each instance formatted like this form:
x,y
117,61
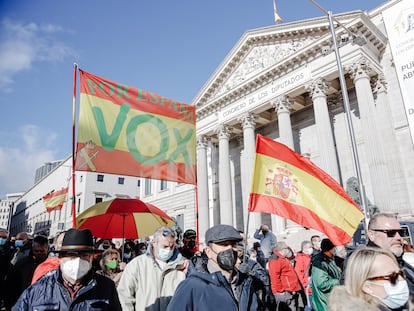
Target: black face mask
x,y
227,259
191,244
40,258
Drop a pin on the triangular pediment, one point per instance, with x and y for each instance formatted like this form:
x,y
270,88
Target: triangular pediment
x,y
267,53
260,58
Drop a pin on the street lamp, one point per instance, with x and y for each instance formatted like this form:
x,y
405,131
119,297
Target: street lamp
x,y
359,41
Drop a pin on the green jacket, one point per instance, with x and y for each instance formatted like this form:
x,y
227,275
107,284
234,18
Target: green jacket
x,y
325,275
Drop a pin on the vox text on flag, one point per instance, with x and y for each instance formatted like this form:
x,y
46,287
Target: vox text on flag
x,y
128,131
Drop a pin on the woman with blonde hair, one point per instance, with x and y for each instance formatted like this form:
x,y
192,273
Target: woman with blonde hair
x,y
111,265
373,281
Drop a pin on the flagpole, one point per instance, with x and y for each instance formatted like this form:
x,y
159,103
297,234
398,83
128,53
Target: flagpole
x,y
75,67
197,226
347,109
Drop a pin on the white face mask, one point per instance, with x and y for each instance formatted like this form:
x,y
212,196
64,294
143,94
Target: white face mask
x,y
397,295
75,268
309,251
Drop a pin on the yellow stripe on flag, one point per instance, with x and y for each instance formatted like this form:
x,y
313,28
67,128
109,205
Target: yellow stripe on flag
x,y
55,200
149,135
304,190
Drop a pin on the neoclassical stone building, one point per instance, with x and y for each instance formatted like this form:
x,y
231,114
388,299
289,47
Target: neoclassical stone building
x,y
282,82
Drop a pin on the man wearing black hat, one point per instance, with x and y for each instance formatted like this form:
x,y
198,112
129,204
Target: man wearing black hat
x,y
189,248
74,286
325,275
218,285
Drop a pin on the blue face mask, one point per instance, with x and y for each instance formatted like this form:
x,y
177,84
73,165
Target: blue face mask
x,y
2,241
164,254
19,243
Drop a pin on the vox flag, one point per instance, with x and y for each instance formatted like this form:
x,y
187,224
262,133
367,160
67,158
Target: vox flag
x,y
289,185
128,131
55,200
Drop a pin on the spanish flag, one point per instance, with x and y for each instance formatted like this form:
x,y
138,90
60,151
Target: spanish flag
x,y
289,185
128,131
54,201
277,17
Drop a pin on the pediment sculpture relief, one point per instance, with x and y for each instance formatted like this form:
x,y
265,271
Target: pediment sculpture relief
x,y
261,58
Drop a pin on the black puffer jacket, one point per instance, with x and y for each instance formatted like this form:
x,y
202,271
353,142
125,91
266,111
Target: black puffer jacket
x,y
203,291
49,293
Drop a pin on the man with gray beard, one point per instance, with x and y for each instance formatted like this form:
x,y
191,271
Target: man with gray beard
x,y
384,231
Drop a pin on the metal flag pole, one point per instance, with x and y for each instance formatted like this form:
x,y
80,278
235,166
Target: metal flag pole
x,y
347,108
75,67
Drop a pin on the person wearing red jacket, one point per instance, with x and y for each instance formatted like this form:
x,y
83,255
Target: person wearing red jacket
x,y
302,268
286,287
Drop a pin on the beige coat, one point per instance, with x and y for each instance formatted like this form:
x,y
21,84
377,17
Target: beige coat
x,y
340,300
144,286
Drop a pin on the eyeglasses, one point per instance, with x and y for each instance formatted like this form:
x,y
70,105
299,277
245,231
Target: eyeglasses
x,y
392,232
392,278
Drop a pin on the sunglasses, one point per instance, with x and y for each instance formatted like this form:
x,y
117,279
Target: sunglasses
x,y
392,232
168,232
392,278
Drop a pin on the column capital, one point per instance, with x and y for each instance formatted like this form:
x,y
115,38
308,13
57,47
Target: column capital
x,y
360,69
223,131
318,87
335,100
247,120
281,103
380,84
202,141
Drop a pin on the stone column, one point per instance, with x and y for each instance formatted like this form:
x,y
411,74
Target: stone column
x,y
399,192
202,185
375,156
329,161
226,202
249,142
282,106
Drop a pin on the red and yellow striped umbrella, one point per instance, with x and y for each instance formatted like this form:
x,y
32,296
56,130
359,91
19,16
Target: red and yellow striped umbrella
x,y
123,218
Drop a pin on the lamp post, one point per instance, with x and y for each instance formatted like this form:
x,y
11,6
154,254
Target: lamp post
x,y
360,41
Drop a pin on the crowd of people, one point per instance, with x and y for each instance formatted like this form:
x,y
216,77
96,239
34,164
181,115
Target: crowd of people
x,y
165,273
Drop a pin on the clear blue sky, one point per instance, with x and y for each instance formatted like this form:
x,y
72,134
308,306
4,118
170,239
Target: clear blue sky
x,y
166,47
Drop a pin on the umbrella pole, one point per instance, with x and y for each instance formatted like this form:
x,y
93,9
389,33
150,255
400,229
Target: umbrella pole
x,y
123,237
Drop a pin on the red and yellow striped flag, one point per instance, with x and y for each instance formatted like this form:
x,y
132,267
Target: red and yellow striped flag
x,y
289,185
277,17
128,131
54,201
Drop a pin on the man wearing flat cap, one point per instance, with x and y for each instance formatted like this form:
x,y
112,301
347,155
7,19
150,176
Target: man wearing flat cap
x,y
325,275
218,285
74,285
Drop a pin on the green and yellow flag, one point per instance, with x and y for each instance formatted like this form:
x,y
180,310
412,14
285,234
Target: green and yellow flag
x,y
128,131
289,185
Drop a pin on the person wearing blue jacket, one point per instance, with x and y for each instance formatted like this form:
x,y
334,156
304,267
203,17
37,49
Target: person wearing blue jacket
x,y
74,285
216,284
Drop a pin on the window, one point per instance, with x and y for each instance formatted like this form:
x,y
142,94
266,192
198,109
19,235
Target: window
x,y
98,200
163,184
139,183
121,180
148,186
100,178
